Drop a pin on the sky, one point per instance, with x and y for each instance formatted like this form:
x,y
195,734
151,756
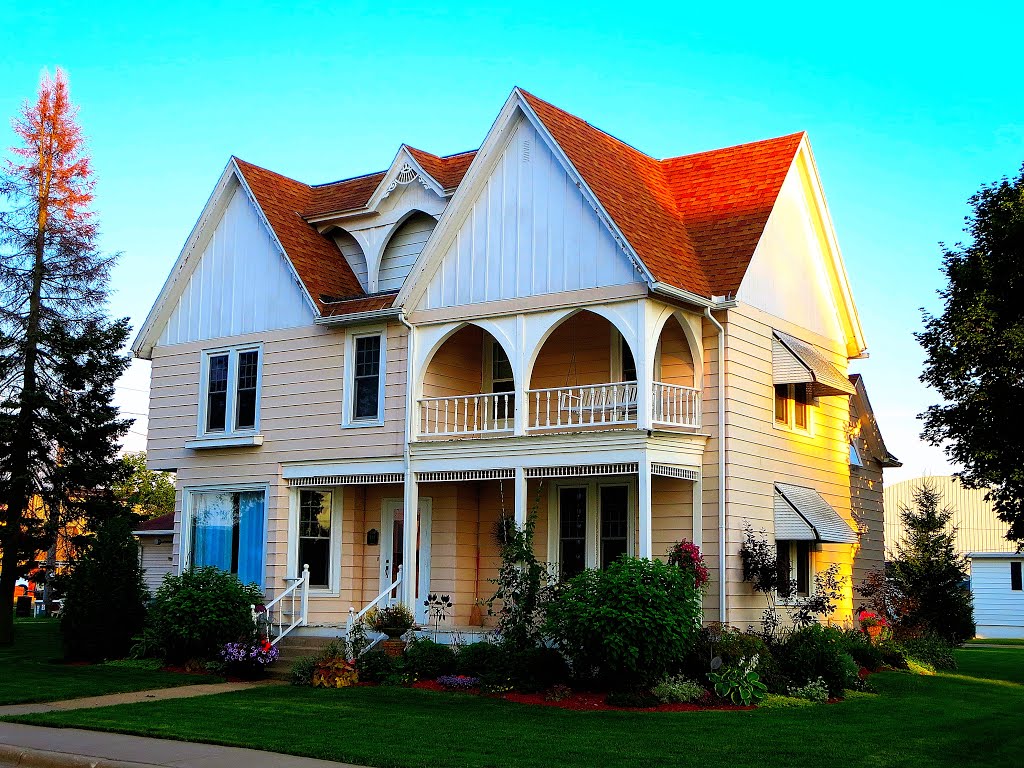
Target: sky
x,y
910,107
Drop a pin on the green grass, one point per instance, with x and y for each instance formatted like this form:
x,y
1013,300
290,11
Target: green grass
x,y
992,663
31,670
957,720
997,641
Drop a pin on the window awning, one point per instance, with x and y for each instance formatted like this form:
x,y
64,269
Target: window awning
x,y
802,515
794,362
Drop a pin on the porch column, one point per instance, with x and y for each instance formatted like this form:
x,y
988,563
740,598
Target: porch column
x,y
698,515
410,564
519,484
645,545
644,359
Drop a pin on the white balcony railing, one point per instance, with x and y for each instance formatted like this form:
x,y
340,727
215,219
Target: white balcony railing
x,y
467,414
560,407
675,405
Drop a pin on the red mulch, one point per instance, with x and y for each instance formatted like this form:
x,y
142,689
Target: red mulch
x,y
578,701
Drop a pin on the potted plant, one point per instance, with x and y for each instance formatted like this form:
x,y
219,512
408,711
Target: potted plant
x,y
248,659
872,624
393,620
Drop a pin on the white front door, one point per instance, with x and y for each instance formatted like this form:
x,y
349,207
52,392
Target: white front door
x,y
392,534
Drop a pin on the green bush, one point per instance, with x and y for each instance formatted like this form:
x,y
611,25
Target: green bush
x,y
628,625
740,684
863,651
104,602
933,650
374,666
816,691
303,668
893,654
476,659
638,699
427,659
678,690
196,613
818,651
733,646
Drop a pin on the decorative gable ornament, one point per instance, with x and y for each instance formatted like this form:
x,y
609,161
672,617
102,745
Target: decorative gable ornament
x,y
406,175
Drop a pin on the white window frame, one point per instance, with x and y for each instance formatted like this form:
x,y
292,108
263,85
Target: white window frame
x,y
348,399
188,511
336,538
616,362
790,424
230,415
593,534
811,570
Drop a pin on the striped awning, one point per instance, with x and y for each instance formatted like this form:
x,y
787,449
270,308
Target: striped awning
x,y
802,515
794,362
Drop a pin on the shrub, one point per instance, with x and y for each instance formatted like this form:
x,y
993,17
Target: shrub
x,y
678,690
476,659
892,654
731,646
819,652
334,672
816,691
195,614
427,659
639,699
104,603
933,650
375,666
863,651
303,667
627,625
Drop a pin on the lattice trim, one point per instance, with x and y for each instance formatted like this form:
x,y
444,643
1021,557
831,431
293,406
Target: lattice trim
x,y
381,478
451,476
680,473
585,470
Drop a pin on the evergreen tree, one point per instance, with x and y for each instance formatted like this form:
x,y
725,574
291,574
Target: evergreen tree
x,y
59,354
929,574
975,352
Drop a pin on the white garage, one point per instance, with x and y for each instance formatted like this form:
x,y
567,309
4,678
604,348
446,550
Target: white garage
x,y
156,551
997,583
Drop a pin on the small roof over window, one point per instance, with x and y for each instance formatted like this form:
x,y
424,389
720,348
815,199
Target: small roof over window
x,y
802,515
794,362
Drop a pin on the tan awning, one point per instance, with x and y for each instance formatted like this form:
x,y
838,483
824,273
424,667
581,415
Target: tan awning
x,y
802,515
794,362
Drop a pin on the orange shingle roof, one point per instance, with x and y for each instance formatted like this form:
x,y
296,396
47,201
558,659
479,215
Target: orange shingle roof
x,y
337,308
343,195
447,171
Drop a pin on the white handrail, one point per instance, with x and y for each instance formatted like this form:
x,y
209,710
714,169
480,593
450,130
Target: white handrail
x,y
467,414
276,614
676,405
354,618
557,407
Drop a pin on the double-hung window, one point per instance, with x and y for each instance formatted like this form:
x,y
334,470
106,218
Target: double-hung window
x,y
314,539
793,406
794,564
589,525
231,390
1016,580
499,380
227,530
365,356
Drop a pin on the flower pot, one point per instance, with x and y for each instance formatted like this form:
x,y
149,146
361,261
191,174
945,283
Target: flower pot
x,y
393,648
393,633
874,632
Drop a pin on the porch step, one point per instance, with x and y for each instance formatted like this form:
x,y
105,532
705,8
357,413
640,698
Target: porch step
x,y
292,648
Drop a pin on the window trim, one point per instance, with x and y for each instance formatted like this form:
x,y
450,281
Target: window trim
x,y
349,363
792,548
593,536
231,412
789,424
616,363
333,589
188,510
856,458
1020,576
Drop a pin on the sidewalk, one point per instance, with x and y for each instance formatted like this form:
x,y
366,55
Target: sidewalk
x,y
29,746
135,697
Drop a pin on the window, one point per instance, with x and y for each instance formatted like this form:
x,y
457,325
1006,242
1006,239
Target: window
x,y
590,525
502,380
628,363
231,380
365,368
227,532
855,459
793,406
614,523
572,531
794,563
315,537
1015,577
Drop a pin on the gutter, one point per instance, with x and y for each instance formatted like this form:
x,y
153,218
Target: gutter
x,y
693,298
722,607
357,318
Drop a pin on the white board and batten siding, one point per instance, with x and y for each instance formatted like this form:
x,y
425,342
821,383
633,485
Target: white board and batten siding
x,y
998,608
241,283
530,231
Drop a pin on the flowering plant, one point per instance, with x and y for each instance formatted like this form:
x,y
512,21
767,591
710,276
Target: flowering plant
x,y
458,682
686,555
335,672
249,656
871,619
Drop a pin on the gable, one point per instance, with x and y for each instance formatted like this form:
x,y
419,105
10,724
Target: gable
x,y
239,284
791,274
528,231
403,248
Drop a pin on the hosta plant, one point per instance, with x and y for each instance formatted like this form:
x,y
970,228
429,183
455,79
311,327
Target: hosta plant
x,y
739,684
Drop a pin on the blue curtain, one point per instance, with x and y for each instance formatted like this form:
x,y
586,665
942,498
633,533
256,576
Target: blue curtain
x,y
251,537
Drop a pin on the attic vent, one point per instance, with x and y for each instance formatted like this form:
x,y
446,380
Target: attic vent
x,y
406,174
526,150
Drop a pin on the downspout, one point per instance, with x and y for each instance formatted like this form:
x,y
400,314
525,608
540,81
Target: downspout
x,y
722,610
409,402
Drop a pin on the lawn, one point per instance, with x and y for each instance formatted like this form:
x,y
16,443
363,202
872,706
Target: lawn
x,y
971,719
31,670
992,663
997,641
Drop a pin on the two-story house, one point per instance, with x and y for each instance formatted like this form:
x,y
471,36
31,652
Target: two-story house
x,y
366,377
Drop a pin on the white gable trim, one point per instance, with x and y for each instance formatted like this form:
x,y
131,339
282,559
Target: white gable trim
x,y
188,259
403,165
479,170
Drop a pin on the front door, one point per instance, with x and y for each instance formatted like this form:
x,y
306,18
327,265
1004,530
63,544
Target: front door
x,y
392,535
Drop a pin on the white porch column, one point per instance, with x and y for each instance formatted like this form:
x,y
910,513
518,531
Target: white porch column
x,y
645,546
698,514
644,359
522,408
410,565
519,484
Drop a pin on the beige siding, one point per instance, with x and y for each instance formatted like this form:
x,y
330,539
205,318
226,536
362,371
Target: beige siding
x,y
576,353
671,513
866,497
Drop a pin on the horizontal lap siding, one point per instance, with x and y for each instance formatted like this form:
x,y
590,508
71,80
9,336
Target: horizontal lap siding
x,y
998,610
759,454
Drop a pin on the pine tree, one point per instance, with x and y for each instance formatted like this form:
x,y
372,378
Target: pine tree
x,y
59,353
928,572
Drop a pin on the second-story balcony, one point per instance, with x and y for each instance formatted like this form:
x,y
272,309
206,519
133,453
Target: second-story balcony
x,y
583,378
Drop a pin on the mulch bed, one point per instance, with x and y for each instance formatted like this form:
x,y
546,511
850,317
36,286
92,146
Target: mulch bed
x,y
578,701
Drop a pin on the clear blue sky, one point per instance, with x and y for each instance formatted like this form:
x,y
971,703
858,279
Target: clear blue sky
x,y
909,110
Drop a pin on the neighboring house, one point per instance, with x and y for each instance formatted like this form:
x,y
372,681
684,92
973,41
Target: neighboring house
x,y
365,376
156,549
998,588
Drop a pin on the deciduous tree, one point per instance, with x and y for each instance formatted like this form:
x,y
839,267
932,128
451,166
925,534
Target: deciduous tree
x,y
59,353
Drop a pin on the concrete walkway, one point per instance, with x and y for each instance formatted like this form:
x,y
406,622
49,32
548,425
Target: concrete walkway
x,y
136,697
29,746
